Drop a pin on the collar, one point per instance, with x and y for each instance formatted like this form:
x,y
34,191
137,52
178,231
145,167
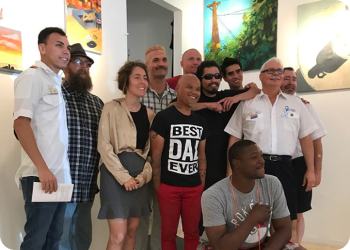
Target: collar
x,y
46,68
69,90
286,96
167,89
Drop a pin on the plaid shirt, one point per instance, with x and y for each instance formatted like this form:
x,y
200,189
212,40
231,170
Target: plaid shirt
x,y
153,101
83,116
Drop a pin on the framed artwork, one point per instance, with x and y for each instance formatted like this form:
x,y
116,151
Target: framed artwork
x,y
323,46
84,24
242,29
10,49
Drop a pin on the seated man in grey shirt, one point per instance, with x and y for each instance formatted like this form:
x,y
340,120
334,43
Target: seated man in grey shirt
x,y
238,210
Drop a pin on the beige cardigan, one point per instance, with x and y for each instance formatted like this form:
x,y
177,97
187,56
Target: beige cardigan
x,y
117,133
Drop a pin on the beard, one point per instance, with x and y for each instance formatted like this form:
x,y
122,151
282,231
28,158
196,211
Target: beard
x,y
79,81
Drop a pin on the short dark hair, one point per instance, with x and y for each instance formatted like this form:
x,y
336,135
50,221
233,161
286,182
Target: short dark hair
x,y
45,33
236,149
227,62
203,65
125,72
288,68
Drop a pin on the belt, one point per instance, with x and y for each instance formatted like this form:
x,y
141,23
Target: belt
x,y
277,157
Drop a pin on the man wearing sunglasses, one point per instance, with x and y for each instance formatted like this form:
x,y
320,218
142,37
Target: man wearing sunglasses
x,y
83,115
217,108
276,121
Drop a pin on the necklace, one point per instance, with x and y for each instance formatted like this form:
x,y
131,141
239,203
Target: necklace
x,y
234,199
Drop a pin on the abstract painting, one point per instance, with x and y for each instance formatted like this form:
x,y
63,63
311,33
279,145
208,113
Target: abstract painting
x,y
84,24
10,49
323,46
242,29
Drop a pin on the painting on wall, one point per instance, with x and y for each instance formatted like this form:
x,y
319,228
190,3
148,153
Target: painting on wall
x,y
242,29
84,24
10,49
323,46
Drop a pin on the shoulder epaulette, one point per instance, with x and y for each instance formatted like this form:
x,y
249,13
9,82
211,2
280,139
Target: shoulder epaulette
x,y
34,67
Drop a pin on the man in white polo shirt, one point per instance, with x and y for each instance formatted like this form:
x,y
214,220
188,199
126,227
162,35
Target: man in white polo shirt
x,y
289,86
41,126
276,121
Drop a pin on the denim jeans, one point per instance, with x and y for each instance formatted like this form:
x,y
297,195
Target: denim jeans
x,y
44,224
77,229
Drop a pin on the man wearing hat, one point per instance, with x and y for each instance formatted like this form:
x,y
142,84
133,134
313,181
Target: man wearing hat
x,y
83,115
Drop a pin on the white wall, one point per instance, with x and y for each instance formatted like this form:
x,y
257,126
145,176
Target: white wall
x,y
148,24
327,222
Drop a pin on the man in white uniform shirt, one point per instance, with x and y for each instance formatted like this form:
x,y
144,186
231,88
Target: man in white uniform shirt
x,y
289,86
275,121
41,126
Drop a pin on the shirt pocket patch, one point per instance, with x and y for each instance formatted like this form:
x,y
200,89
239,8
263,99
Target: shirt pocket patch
x,y
291,121
255,122
51,109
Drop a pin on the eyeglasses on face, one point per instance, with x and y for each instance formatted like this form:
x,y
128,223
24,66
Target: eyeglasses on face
x,y
210,76
79,62
272,71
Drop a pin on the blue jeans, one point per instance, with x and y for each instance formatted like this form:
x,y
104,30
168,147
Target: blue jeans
x,y
77,230
44,224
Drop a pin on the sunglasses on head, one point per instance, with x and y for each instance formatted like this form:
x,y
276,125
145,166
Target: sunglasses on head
x,y
79,62
210,76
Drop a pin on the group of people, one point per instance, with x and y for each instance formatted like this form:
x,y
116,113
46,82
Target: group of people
x,y
171,147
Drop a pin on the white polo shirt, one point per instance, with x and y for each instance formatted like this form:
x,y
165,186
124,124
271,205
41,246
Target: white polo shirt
x,y
318,133
38,96
276,129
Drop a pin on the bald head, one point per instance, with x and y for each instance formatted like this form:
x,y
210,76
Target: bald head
x,y
187,78
188,90
190,61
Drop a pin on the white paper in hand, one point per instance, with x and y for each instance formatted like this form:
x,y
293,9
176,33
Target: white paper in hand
x,y
63,194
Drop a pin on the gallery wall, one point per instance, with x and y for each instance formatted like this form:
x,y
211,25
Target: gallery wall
x,y
148,24
326,223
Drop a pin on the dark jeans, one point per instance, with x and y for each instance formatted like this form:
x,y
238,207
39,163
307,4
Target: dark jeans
x,y
44,224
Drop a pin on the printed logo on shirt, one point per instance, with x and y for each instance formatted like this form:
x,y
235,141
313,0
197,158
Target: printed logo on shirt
x,y
254,115
183,148
289,113
253,238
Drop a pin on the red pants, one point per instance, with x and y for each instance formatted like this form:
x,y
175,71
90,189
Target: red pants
x,y
173,202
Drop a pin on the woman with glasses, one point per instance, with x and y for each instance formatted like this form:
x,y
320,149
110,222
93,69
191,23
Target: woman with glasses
x,y
123,142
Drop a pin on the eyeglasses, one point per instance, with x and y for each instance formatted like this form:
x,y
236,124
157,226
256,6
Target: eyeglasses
x,y
210,76
272,71
79,62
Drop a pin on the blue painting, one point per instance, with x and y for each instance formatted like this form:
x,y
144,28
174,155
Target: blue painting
x,y
242,29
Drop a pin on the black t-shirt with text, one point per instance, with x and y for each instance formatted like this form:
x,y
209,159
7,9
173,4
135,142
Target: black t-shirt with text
x,y
217,142
182,134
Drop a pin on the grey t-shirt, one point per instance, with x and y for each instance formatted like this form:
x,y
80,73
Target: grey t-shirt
x,y
218,207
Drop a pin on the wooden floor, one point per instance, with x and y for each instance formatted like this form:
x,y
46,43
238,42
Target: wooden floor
x,y
312,246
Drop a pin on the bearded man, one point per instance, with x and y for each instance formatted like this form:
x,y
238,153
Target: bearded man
x,y
83,115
